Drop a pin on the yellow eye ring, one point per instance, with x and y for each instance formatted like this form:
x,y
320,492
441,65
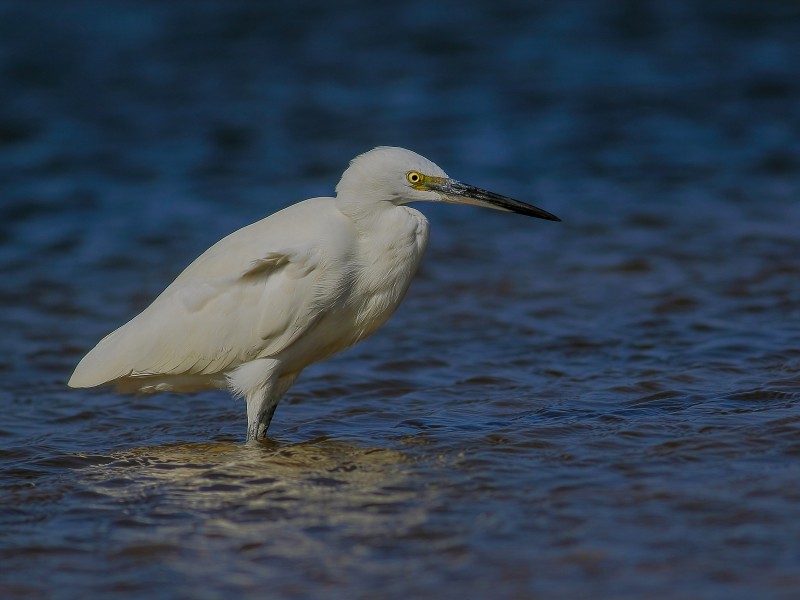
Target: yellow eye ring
x,y
414,177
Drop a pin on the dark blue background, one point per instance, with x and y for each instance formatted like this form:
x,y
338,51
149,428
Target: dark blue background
x,y
604,407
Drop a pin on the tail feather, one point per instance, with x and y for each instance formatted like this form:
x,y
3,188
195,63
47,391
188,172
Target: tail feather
x,y
101,365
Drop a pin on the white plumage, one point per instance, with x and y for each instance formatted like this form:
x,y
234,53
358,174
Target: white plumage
x,y
263,303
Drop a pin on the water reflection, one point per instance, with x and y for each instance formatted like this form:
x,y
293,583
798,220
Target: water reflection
x,y
248,492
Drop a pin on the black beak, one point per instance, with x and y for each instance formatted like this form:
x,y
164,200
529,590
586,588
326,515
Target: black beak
x,y
461,193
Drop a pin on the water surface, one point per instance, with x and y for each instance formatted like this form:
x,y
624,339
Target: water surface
x,y
605,407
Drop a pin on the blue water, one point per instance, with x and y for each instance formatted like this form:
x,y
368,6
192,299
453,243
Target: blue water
x,y
605,407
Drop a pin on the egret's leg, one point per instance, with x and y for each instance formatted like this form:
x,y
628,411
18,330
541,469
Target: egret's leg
x,y
263,385
259,415
261,406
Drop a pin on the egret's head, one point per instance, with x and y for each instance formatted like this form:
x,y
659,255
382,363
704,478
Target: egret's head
x,y
400,176
385,173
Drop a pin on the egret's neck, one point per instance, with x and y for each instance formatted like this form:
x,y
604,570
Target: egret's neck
x,y
385,223
364,213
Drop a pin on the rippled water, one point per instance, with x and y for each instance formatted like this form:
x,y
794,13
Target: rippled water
x,y
604,407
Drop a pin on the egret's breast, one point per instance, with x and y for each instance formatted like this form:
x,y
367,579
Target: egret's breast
x,y
374,281
390,256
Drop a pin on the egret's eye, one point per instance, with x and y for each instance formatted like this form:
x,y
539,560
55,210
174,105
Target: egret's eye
x,y
414,178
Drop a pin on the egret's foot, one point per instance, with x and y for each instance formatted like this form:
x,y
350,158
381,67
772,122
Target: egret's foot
x,y
256,431
257,428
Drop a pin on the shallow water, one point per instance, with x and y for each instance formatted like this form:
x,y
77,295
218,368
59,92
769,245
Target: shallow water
x,y
604,407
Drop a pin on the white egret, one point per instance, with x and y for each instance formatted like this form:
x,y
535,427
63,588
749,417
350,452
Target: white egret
x,y
263,303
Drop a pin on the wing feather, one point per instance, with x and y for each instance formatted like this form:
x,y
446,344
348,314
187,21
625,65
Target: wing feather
x,y
216,315
204,327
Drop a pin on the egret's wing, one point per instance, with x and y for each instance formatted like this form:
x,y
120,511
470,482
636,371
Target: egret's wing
x,y
205,326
